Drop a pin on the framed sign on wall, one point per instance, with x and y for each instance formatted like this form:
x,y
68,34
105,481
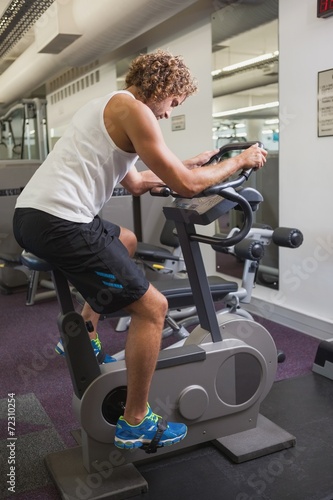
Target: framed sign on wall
x,y
325,103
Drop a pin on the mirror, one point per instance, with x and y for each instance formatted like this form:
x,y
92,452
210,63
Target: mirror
x,y
245,108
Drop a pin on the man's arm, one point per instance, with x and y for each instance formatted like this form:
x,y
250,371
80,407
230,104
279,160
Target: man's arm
x,y
141,129
138,183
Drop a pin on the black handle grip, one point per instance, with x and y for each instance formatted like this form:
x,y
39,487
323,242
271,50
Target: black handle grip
x,y
235,146
163,191
244,175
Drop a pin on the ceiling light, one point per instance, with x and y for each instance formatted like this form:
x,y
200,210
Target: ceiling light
x,y
273,121
248,109
249,62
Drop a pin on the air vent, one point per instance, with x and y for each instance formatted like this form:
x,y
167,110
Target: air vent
x,y
59,43
75,87
56,30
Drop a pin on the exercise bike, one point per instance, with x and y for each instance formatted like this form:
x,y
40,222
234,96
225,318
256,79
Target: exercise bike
x,y
214,382
182,316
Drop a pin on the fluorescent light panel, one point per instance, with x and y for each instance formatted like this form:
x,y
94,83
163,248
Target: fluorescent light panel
x,y
248,109
273,121
248,62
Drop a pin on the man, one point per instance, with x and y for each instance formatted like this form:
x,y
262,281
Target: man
x,y
56,216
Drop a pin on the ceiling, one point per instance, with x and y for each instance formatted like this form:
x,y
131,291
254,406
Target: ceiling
x,y
241,29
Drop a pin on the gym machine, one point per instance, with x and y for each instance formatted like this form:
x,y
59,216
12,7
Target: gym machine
x,y
250,251
214,382
23,146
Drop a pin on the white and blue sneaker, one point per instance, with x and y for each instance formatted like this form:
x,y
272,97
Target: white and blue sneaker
x,y
152,433
102,358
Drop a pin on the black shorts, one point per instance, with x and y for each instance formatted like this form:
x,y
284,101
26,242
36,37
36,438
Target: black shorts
x,y
91,256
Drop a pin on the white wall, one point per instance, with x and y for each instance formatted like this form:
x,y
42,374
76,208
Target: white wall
x,y
306,175
197,136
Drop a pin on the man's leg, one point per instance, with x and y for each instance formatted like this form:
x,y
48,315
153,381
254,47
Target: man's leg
x,y
129,240
141,352
140,426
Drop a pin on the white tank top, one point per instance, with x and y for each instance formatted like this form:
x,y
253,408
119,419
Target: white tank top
x,y
80,173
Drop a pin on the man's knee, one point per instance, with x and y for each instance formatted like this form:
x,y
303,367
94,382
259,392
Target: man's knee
x,y
161,304
153,305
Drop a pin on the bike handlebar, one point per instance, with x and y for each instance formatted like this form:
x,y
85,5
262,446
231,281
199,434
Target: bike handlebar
x,y
226,190
165,191
231,195
234,146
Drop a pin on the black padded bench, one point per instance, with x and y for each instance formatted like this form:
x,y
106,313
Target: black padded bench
x,y
177,291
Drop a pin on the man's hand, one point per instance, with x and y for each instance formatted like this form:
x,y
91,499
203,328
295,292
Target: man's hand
x,y
200,159
253,157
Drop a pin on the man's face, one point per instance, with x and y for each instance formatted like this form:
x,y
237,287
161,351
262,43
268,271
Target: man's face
x,y
164,108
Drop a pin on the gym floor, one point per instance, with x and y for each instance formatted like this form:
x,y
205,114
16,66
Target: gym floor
x,y
304,407
300,402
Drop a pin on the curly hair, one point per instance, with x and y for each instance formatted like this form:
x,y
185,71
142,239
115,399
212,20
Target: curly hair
x,y
160,75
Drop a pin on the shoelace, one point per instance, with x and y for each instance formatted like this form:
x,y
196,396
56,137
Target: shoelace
x,y
97,343
153,417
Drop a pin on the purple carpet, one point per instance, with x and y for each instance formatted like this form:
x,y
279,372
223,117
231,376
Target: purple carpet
x,y
40,381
